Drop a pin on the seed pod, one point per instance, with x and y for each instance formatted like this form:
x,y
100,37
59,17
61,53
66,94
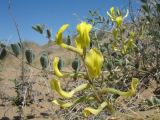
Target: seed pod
x,y
29,55
16,49
3,53
60,64
68,40
44,61
76,64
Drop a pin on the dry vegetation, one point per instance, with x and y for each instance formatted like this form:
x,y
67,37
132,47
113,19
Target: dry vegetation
x,y
130,50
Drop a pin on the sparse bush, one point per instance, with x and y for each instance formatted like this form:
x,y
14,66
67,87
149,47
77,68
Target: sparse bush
x,y
114,61
92,60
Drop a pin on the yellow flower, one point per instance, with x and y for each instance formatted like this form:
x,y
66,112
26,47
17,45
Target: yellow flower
x,y
55,67
111,14
87,111
94,61
59,36
112,11
83,38
55,85
119,21
64,104
132,91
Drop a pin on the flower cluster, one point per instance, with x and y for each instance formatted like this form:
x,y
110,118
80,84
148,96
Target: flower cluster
x,y
116,16
93,58
93,62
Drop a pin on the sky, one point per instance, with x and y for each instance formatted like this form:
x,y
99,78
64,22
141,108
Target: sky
x,y
52,13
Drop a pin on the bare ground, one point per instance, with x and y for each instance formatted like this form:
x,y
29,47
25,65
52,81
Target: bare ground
x,y
42,108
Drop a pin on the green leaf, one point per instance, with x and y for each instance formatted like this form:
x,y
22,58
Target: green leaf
x,y
44,61
3,53
158,7
68,42
148,18
60,64
109,65
149,102
145,8
39,28
30,56
48,33
143,1
16,49
76,64
156,101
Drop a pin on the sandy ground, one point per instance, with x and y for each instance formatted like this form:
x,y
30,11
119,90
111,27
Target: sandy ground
x,y
42,108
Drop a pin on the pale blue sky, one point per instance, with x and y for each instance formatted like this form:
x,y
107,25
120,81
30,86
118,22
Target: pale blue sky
x,y
53,13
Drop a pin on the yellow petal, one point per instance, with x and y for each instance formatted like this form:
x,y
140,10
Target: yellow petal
x,y
76,50
130,92
94,61
112,11
68,104
134,84
59,36
87,111
117,18
111,14
78,44
59,41
55,85
55,67
119,21
83,38
63,104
